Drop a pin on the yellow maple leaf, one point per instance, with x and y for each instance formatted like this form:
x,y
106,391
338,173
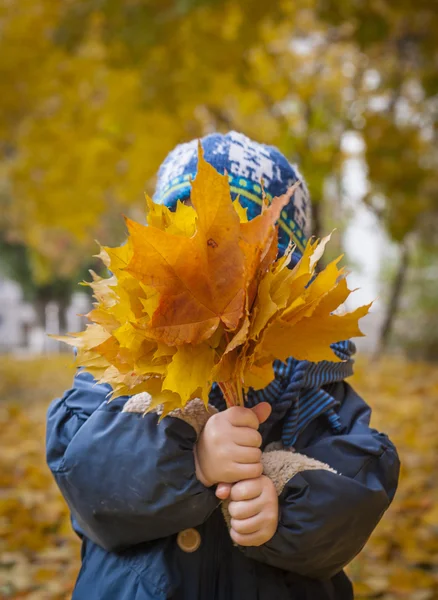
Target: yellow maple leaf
x,y
199,295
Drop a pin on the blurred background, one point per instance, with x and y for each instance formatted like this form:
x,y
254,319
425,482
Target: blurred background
x,y
94,93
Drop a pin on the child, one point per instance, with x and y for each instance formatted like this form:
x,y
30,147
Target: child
x,y
145,496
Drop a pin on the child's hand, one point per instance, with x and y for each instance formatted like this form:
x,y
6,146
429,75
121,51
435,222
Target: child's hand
x,y
228,449
254,511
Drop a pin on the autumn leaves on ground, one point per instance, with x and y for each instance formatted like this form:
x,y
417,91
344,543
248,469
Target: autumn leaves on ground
x,y
39,556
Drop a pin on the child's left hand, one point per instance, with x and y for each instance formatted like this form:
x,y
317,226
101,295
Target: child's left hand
x,y
254,511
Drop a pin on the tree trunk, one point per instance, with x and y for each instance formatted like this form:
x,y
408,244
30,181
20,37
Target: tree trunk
x,y
40,306
62,316
63,304
393,306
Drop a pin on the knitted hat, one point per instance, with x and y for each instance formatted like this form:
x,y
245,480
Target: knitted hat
x,y
247,163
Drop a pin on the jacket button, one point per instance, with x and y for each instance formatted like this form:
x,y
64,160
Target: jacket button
x,y
189,540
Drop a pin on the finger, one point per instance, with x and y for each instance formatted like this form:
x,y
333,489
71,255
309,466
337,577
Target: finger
x,y
223,490
262,411
242,417
247,526
246,490
248,539
244,471
245,509
245,455
245,436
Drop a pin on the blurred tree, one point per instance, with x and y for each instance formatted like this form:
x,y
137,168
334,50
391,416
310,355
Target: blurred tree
x,y
16,263
76,142
396,108
417,328
398,39
403,194
124,83
273,72
99,91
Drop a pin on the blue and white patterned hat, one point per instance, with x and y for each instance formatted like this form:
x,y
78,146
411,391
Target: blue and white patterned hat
x,y
246,163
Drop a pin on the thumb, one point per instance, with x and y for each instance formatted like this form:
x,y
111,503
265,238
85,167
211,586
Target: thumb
x,y
223,490
262,411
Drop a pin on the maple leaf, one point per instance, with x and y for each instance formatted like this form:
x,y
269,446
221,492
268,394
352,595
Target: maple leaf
x,y
199,295
199,277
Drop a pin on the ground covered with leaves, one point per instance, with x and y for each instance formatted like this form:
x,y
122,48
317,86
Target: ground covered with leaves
x,y
39,555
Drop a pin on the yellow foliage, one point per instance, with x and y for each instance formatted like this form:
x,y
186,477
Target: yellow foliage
x,y
401,559
198,295
38,551
90,126
399,562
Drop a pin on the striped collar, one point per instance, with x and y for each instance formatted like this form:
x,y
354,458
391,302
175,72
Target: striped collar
x,y
300,392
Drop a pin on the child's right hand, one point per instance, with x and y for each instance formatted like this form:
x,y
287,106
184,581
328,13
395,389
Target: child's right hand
x,y
228,449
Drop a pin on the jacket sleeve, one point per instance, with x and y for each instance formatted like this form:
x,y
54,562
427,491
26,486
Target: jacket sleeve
x,y
127,478
327,515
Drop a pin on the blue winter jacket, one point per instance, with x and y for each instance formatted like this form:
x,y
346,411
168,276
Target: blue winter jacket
x,y
130,483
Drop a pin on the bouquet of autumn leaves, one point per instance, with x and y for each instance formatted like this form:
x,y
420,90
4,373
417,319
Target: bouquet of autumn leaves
x,y
199,296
